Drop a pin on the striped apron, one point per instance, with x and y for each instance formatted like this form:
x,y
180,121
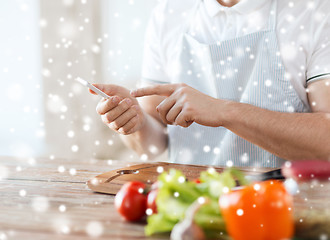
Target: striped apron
x,y
247,69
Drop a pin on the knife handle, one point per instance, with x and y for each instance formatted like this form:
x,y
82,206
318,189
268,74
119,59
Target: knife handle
x,y
273,174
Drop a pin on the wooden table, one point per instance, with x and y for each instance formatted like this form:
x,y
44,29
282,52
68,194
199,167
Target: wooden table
x,y
48,199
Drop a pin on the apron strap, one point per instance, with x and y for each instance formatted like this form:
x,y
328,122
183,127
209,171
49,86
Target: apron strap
x,y
272,16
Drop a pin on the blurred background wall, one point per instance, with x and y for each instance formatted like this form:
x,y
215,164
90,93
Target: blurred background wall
x,y
45,45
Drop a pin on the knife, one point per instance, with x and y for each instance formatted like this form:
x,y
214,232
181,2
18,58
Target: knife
x,y
275,174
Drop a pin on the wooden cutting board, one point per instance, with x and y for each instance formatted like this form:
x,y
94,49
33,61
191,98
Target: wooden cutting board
x,y
111,182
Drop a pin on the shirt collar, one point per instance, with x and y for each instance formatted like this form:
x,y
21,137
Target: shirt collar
x,y
212,7
243,7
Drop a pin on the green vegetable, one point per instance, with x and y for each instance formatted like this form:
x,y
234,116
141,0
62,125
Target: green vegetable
x,y
176,194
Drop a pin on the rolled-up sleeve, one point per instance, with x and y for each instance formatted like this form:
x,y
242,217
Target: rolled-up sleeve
x,y
319,64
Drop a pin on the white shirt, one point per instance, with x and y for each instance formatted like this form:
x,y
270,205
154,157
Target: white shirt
x,y
303,32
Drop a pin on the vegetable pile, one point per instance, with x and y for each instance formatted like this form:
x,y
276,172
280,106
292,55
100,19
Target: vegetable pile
x,y
215,205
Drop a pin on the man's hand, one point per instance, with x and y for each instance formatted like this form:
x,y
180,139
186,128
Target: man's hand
x,y
121,112
184,105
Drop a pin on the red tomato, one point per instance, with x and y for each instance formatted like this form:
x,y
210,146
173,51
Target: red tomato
x,y
151,202
197,180
131,202
261,211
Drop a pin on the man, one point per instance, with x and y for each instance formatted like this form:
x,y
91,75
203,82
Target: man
x,y
244,83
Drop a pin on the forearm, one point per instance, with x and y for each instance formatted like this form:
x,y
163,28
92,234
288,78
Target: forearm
x,y
150,140
290,136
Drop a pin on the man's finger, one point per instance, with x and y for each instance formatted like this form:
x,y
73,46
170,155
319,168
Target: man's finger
x,y
162,90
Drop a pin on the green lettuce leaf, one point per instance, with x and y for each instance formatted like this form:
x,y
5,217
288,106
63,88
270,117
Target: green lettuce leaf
x,y
176,194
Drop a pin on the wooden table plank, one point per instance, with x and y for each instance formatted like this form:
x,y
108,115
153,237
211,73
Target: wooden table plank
x,y
42,183
49,170
42,236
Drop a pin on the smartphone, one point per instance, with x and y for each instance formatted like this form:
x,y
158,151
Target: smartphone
x,y
90,86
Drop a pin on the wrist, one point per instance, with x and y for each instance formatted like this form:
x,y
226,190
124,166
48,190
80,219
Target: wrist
x,y
147,124
144,120
150,139
228,113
